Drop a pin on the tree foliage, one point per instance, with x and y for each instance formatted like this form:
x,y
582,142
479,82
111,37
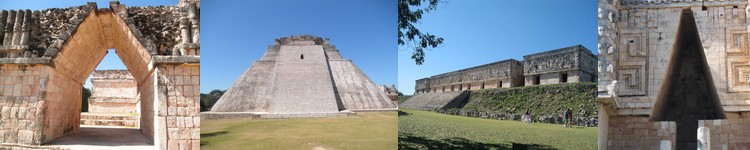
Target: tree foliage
x,y
208,100
409,14
85,94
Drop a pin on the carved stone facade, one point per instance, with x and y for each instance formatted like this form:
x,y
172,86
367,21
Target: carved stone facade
x,y
569,64
636,41
113,91
46,56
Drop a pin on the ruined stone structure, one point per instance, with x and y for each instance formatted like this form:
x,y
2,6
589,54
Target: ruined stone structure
x,y
569,64
669,68
391,91
113,91
450,90
301,76
46,56
506,73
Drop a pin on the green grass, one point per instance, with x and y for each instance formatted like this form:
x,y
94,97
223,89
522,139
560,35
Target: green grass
x,y
366,130
430,130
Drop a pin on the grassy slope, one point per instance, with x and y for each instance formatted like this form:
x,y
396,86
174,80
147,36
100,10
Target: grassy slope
x,y
401,99
430,130
541,100
370,130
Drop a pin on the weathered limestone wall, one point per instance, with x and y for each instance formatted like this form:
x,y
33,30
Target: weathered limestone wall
x,y
62,105
639,133
301,76
147,98
21,108
730,133
179,95
303,82
46,57
113,91
576,62
636,40
506,73
355,89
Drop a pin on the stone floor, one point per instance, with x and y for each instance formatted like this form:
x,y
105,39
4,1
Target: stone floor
x,y
98,137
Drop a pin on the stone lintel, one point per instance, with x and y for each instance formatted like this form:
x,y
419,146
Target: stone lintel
x,y
26,61
650,5
14,47
176,59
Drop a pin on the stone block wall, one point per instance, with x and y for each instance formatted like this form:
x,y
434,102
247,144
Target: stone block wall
x,y
549,66
179,95
62,105
21,90
730,133
636,41
506,73
147,99
628,132
113,91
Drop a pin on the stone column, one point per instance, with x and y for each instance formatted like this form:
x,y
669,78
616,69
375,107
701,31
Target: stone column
x,y
3,17
25,28
17,27
184,29
8,37
665,145
195,21
704,138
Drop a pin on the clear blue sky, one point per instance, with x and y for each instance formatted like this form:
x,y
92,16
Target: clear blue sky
x,y
484,31
235,33
111,60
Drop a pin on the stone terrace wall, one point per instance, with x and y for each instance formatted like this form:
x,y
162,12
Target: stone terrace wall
x,y
179,95
630,132
21,106
113,91
489,75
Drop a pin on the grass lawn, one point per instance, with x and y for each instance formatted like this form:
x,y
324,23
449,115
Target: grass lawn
x,y
366,130
430,130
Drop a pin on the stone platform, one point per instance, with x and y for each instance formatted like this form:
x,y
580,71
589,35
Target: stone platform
x,y
110,119
261,115
436,100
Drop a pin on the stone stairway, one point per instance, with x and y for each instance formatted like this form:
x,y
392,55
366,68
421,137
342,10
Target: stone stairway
x,y
109,119
436,100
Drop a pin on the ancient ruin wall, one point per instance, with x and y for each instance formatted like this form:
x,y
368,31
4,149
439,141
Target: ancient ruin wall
x,y
113,91
491,75
576,62
636,38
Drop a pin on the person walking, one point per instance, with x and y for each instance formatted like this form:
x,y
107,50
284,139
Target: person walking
x,y
527,117
568,117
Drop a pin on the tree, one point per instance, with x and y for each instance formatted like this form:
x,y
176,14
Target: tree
x,y
400,94
208,100
85,94
408,34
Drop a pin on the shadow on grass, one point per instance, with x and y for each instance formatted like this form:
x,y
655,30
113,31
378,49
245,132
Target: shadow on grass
x,y
408,141
205,135
212,134
401,113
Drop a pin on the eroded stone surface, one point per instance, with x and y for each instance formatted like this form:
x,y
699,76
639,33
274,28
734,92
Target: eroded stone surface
x,y
303,75
636,41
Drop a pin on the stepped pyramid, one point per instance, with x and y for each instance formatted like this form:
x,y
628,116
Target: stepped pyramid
x,y
303,75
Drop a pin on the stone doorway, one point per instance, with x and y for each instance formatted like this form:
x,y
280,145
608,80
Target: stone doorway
x,y
43,70
688,93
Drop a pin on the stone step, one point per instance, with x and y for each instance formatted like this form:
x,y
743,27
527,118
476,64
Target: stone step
x,y
109,120
123,123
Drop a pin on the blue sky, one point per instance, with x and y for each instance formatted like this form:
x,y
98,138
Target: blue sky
x,y
111,60
235,33
484,31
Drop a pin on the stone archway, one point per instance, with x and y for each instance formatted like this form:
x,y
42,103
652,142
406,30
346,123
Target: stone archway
x,y
46,56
